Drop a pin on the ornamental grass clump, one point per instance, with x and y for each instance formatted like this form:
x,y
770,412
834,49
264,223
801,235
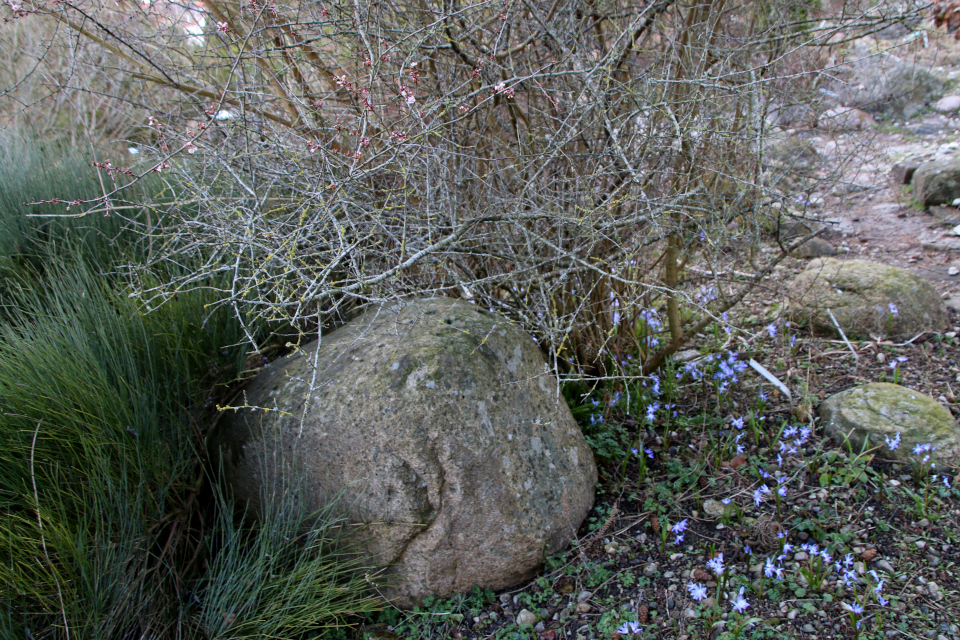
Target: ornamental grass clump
x,y
111,526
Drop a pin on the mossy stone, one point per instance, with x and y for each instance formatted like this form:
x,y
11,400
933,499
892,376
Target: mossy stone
x,y
859,293
869,414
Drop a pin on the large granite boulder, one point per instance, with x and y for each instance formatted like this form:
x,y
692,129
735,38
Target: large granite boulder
x,y
860,295
937,182
441,427
874,413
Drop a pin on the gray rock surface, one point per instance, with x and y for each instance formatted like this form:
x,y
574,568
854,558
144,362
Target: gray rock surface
x,y
440,426
876,411
889,88
859,294
937,182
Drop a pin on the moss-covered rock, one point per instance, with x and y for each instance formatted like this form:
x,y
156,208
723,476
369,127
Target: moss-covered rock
x,y
860,295
870,414
442,428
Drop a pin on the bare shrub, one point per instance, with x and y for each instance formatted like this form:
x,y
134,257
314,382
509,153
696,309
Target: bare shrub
x,y
593,170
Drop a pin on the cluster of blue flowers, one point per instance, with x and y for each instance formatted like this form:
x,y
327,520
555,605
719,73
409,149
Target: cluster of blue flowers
x,y
791,440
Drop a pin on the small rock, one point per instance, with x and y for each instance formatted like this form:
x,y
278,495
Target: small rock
x,y
714,508
584,596
540,627
669,574
793,614
803,535
902,172
671,603
948,104
881,357
800,556
526,618
920,544
650,569
583,607
933,560
642,538
675,556
952,271
690,613
505,599
934,590
710,602
611,548
808,628
814,248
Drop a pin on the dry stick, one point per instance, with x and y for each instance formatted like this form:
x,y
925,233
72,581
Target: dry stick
x,y
843,335
43,542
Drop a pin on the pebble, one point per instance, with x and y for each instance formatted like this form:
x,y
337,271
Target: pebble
x,y
669,574
675,556
934,590
671,603
804,535
540,628
611,548
885,566
526,618
800,556
920,544
808,628
650,569
505,599
924,523
952,271
933,560
584,595
642,538
690,613
710,602
583,607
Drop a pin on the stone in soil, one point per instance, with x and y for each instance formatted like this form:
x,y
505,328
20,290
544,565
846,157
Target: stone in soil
x,y
937,182
526,618
814,248
948,104
874,412
902,172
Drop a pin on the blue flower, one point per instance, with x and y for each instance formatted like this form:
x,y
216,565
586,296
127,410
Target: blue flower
x,y
697,591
